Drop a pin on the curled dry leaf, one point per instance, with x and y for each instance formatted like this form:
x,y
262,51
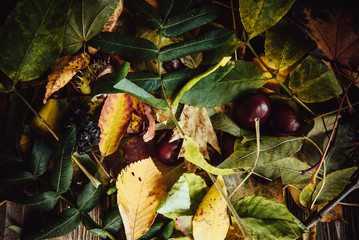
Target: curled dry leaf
x,y
211,220
196,124
114,120
140,188
63,72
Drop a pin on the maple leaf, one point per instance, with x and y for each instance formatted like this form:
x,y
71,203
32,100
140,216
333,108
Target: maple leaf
x,y
333,32
140,188
196,124
63,72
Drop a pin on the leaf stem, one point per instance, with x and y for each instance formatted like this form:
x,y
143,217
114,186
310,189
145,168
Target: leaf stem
x,y
93,180
274,76
37,115
256,120
231,208
102,167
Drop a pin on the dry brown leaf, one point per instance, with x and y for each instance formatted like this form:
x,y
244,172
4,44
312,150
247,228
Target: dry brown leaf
x,y
140,188
334,215
197,125
63,72
211,220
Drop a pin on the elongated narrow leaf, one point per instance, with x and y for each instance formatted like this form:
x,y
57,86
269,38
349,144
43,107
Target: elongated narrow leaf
x,y
40,156
204,42
129,87
31,38
335,183
272,149
16,177
145,12
125,46
184,196
224,123
175,80
114,120
170,8
179,24
89,197
147,80
193,155
211,220
313,81
258,16
87,19
140,188
60,225
112,221
62,173
243,78
266,219
104,84
45,201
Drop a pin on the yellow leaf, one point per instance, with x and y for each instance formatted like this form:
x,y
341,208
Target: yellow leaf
x,y
63,72
140,188
211,221
114,120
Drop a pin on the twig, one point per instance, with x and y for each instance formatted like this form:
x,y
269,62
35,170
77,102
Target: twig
x,y
102,167
314,218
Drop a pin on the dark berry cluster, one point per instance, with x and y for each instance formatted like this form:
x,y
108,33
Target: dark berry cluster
x,y
88,132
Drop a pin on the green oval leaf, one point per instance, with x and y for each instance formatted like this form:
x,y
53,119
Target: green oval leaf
x,y
40,156
285,45
61,176
31,38
204,42
45,201
266,219
259,15
335,183
184,197
89,197
185,22
144,12
126,86
243,78
64,223
125,46
86,20
174,80
312,81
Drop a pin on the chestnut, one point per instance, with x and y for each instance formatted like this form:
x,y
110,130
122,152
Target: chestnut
x,y
250,107
167,152
283,121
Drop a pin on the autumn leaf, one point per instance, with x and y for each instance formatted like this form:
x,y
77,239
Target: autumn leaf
x,y
140,188
196,124
211,220
334,32
63,72
114,120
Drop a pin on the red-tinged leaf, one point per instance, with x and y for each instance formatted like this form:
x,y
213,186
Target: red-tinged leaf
x,y
150,133
137,149
333,31
63,72
114,120
254,186
184,223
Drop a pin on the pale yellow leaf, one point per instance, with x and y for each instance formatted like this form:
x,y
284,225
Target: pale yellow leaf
x,y
196,124
140,188
211,221
63,72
